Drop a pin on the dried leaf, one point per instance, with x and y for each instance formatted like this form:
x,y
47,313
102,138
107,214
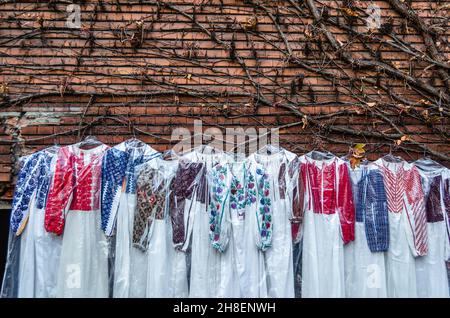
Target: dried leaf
x,y
350,12
405,138
4,89
304,121
358,154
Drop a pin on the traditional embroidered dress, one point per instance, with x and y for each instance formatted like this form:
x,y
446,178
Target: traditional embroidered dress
x,y
73,208
234,197
329,223
407,226
152,232
365,273
39,250
273,215
212,271
431,271
118,208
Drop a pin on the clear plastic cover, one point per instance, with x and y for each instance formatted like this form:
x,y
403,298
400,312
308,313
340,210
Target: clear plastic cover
x,y
73,213
33,254
329,224
89,220
118,205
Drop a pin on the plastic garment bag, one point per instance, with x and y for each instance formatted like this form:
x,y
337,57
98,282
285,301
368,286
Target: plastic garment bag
x,y
211,271
118,205
274,173
165,266
33,254
365,273
407,225
431,271
73,212
234,225
328,224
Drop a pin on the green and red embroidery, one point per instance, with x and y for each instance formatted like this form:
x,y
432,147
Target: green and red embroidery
x,y
264,212
218,198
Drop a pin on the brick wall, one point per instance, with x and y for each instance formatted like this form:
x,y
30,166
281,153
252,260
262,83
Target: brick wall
x,y
178,65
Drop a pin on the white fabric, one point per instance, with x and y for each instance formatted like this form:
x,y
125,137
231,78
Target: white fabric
x,y
278,258
39,258
365,272
212,272
400,264
431,269
323,248
83,267
83,270
123,248
166,274
249,260
322,256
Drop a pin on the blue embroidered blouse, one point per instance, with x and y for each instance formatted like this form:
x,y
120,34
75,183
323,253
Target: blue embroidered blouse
x,y
33,181
371,208
118,171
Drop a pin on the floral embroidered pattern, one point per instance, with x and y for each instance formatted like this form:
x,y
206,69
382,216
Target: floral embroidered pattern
x,y
264,213
242,194
34,177
151,192
219,196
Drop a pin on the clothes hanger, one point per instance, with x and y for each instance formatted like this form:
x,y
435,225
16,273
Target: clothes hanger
x,y
89,142
169,154
320,155
391,158
270,149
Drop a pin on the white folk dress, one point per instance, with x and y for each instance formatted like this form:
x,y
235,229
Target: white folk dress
x,y
73,210
152,233
39,250
431,269
118,210
249,259
275,195
328,224
365,272
407,226
212,273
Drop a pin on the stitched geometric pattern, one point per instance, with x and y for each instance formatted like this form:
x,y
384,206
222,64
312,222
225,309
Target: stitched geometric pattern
x,y
416,200
34,178
374,210
394,182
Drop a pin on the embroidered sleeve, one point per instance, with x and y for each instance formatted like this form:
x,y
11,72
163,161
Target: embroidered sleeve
x,y
446,195
433,205
25,188
218,220
264,211
45,177
376,218
150,205
345,205
113,171
416,210
182,188
60,192
298,204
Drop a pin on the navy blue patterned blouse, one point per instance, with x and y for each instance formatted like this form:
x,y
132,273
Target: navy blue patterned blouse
x,y
33,182
118,170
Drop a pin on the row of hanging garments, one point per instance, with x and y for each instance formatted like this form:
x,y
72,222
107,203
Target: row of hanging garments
x,y
89,220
